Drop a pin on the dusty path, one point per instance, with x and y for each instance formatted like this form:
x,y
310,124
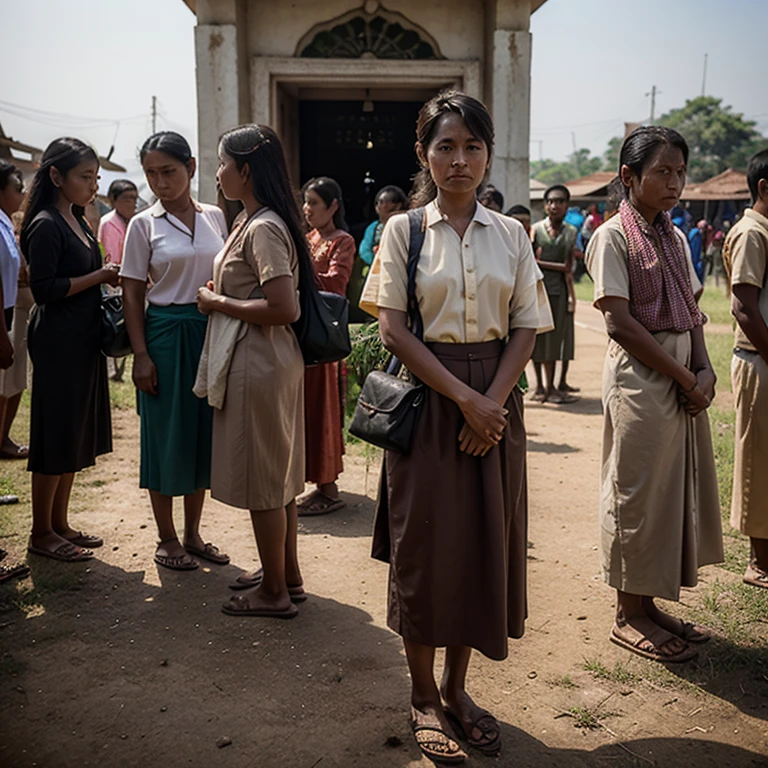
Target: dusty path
x,y
116,663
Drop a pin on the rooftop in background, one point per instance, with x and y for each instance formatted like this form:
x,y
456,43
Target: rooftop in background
x,y
592,188
728,185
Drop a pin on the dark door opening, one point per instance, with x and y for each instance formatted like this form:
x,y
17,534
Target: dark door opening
x,y
362,151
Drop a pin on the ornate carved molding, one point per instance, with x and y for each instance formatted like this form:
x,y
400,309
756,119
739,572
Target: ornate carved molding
x,y
368,32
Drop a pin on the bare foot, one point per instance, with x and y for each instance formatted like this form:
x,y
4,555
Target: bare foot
x,y
686,631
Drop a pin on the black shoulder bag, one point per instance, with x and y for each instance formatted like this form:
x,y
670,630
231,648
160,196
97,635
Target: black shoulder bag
x,y
114,334
388,406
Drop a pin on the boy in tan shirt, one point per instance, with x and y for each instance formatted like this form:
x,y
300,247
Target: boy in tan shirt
x,y
745,257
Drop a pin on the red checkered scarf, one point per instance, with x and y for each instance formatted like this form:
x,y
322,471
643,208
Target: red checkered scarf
x,y
661,296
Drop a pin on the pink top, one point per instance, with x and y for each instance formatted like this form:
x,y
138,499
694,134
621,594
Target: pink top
x,y
112,229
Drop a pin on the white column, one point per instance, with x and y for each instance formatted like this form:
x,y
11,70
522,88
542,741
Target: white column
x,y
511,114
217,98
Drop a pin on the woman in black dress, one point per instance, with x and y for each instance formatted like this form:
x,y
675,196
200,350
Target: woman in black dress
x,y
70,419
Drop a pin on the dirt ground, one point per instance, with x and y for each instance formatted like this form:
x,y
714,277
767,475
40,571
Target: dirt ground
x,y
116,662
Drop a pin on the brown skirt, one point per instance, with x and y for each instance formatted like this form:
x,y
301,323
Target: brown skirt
x,y
454,527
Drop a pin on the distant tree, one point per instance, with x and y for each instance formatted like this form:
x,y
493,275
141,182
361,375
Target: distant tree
x,y
718,138
611,155
579,164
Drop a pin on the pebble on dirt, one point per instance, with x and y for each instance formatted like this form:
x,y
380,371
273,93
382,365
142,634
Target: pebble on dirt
x,y
224,741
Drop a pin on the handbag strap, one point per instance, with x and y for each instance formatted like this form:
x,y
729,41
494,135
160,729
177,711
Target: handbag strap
x,y
417,220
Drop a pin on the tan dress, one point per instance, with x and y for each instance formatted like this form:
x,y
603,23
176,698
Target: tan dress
x,y
659,507
258,435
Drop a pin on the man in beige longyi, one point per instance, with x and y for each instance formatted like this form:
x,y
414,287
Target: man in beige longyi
x,y
745,257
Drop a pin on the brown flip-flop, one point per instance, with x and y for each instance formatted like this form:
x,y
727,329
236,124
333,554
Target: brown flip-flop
x,y
209,552
13,571
85,540
756,577
633,640
177,562
486,723
320,504
237,605
244,581
66,552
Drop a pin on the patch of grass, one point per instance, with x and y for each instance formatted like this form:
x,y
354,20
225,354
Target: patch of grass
x,y
563,682
720,348
588,717
716,303
585,289
619,673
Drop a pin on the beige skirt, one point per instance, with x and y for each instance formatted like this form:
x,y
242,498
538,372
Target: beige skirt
x,y
749,503
258,436
659,507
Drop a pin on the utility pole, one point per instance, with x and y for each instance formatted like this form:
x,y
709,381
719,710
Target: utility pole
x,y
541,149
154,114
652,94
704,77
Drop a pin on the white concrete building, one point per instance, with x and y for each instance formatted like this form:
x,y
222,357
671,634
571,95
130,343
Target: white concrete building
x,y
341,81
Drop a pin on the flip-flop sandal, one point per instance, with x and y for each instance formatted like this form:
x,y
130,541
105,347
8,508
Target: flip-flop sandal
x,y
9,498
209,552
562,398
538,397
296,591
693,633
231,608
486,723
66,552
435,743
85,540
21,452
320,504
13,571
634,640
177,562
568,388
756,577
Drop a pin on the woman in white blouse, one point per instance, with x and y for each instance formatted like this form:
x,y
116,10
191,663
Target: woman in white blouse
x,y
168,254
452,514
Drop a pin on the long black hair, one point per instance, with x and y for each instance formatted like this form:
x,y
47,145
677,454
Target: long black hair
x,y
640,147
477,119
62,154
329,190
258,147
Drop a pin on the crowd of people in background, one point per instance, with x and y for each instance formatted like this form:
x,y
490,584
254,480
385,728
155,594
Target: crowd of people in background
x,y
226,402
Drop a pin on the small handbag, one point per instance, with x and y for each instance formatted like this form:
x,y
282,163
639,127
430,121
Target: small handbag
x,y
114,334
388,406
322,330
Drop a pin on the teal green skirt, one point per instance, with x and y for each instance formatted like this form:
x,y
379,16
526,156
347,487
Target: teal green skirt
x,y
176,425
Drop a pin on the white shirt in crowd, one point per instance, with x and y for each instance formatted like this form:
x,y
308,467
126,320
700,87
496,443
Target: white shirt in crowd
x,y
160,247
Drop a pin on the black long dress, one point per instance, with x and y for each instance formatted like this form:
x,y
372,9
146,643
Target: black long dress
x,y
70,417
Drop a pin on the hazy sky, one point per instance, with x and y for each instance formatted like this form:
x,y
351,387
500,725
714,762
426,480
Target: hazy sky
x,y
96,64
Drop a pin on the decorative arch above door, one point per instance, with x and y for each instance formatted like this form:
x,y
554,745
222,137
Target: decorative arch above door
x,y
368,32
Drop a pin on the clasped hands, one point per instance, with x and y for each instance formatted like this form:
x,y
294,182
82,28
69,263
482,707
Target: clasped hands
x,y
485,421
698,399
207,298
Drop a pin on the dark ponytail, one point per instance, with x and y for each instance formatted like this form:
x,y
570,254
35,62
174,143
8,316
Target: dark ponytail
x,y
168,142
477,119
258,147
640,147
329,190
62,154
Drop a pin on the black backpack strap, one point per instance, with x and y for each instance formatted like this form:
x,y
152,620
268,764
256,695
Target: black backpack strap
x,y
418,222
417,219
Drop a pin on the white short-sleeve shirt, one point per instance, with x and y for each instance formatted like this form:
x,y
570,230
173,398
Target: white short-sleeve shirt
x,y
177,262
471,289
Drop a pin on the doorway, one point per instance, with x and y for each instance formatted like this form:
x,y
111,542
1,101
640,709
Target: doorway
x,y
362,150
